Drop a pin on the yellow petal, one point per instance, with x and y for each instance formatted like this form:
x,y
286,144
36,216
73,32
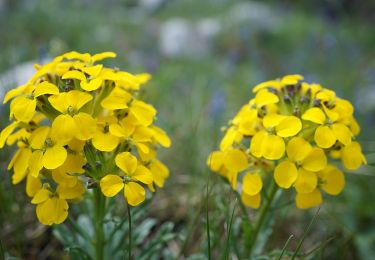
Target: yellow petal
x,y
297,149
102,56
76,55
20,166
273,147
143,112
228,139
64,128
352,156
324,137
264,98
216,160
85,125
126,162
134,193
105,141
41,196
291,79
159,172
14,92
315,115
93,71
315,161
44,88
333,180
272,120
271,83
64,179
74,74
77,99
252,184
142,147
142,174
54,157
111,185
92,84
235,160
161,137
285,174
38,137
52,211
69,193
306,181
6,132
23,108
308,200
251,201
33,185
142,134
289,126
73,163
118,99
342,133
35,163
257,143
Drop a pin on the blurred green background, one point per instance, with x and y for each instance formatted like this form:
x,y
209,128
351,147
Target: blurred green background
x,y
204,56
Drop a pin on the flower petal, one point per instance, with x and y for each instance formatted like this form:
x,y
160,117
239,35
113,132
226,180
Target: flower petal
x,y
342,133
273,147
142,174
111,185
315,115
126,162
333,180
297,149
285,174
251,201
308,200
134,193
235,160
54,157
352,156
264,97
324,137
306,181
252,184
315,161
105,141
289,126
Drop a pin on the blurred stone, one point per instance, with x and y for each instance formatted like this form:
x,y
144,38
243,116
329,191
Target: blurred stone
x,y
180,37
16,76
151,4
255,13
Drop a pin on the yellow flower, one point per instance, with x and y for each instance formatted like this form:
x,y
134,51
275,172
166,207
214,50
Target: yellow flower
x,y
71,121
49,151
304,119
303,161
269,143
52,207
132,172
103,140
330,129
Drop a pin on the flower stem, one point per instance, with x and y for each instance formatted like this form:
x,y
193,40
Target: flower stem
x,y
99,205
130,232
263,215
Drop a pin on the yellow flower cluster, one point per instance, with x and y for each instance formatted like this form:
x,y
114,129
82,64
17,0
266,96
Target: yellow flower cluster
x,y
290,128
78,125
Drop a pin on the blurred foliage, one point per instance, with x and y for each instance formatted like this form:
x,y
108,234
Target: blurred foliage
x,y
204,57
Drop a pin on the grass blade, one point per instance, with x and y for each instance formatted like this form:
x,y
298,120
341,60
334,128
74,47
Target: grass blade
x,y
285,246
307,230
229,231
208,225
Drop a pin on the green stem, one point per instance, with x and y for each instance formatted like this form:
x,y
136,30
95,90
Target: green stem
x,y
263,215
130,232
99,205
